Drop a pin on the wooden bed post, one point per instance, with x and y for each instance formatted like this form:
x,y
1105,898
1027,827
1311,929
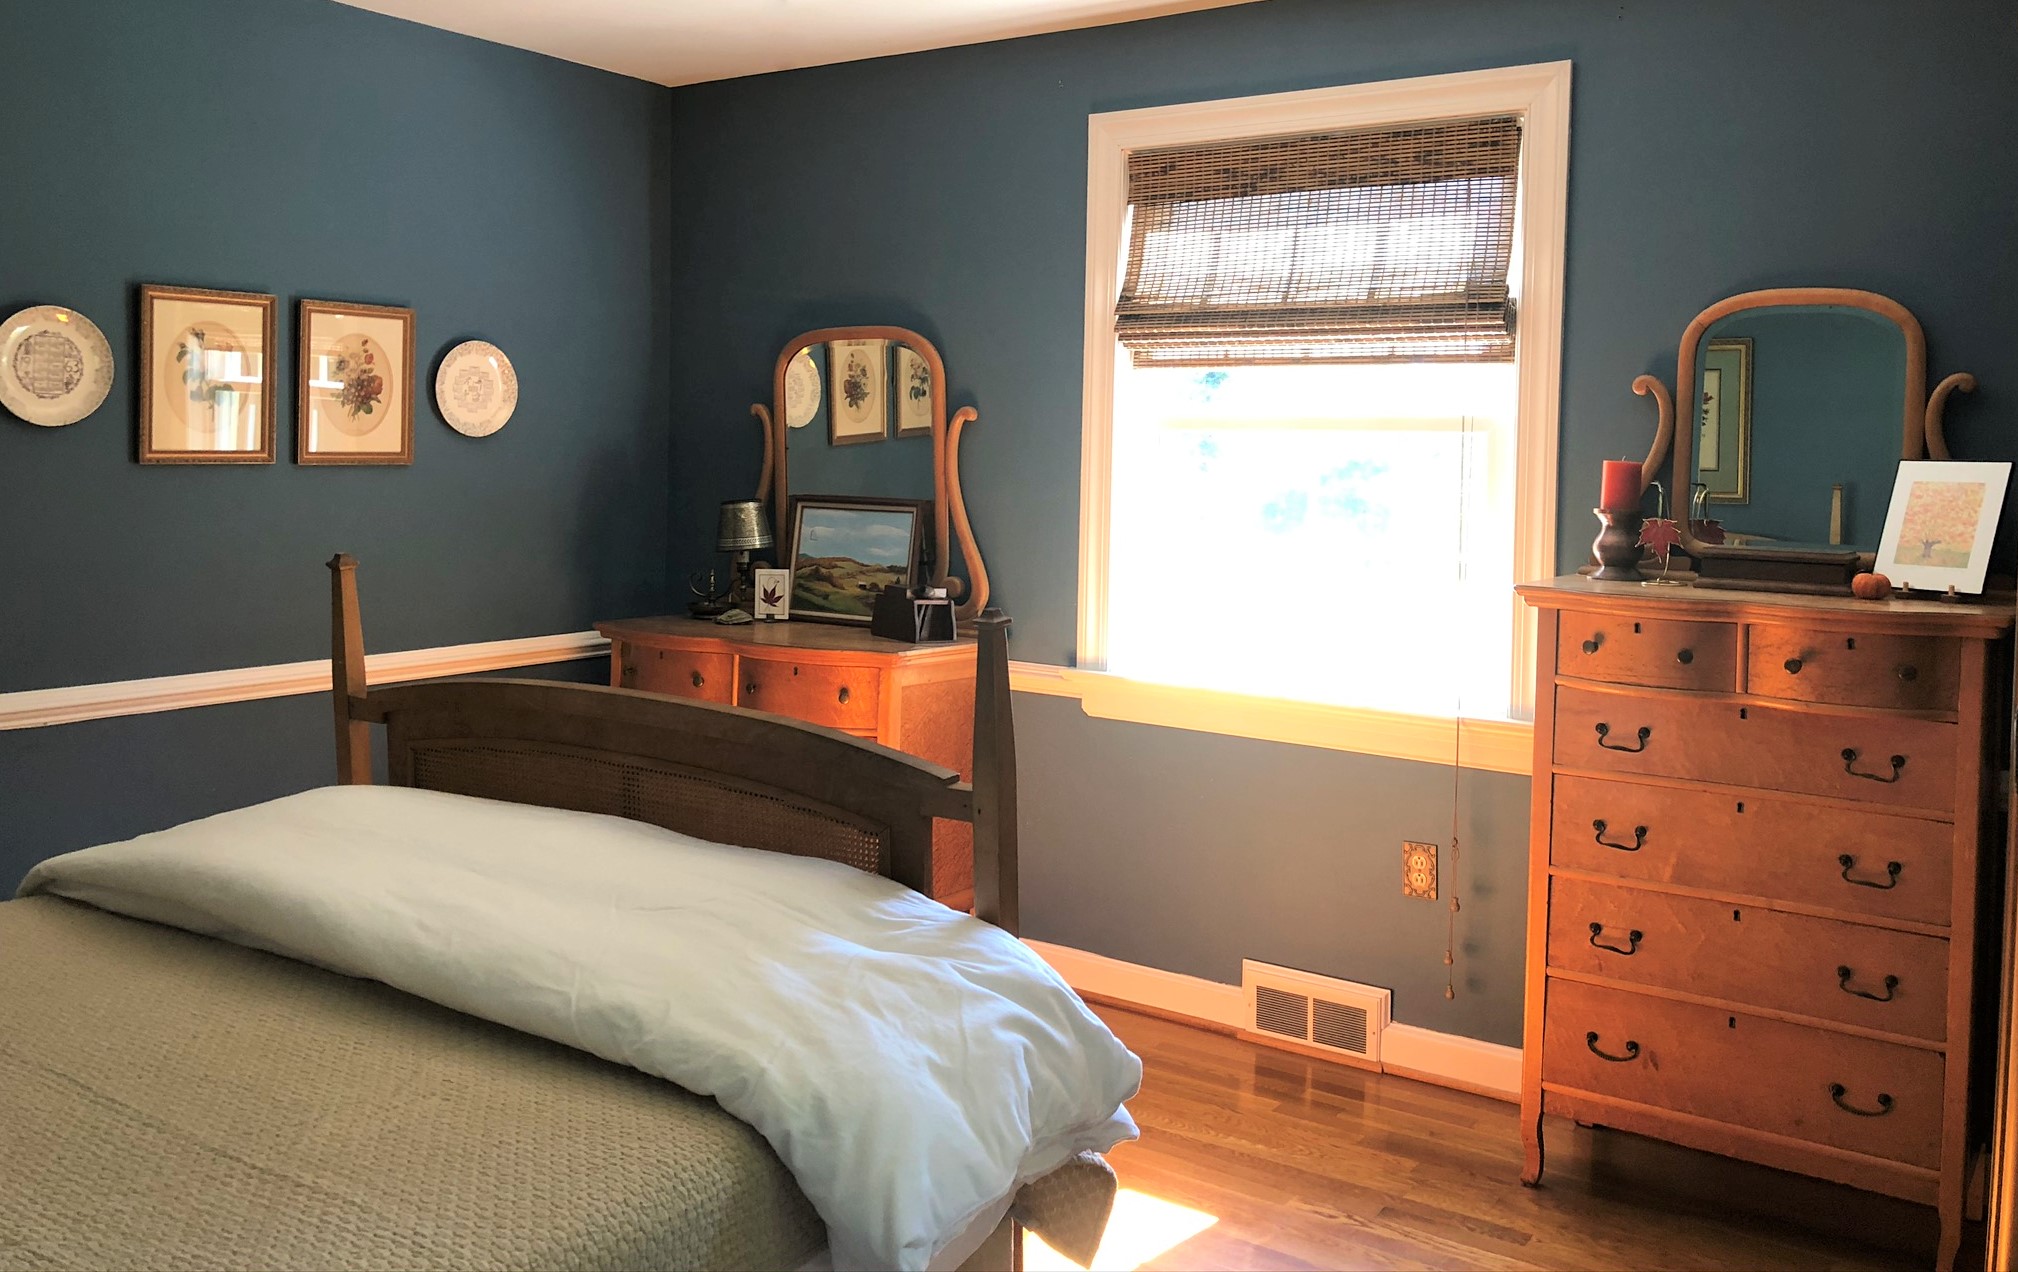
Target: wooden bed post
x,y
995,881
346,668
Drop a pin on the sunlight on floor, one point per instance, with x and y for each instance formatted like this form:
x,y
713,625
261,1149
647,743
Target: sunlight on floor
x,y
1141,1228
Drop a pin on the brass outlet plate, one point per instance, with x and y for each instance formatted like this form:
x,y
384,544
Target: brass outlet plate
x,y
1418,870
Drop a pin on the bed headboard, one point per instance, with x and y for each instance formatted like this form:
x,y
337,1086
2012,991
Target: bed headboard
x,y
722,773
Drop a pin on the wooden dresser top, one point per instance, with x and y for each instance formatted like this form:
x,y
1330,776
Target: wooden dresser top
x,y
1987,616
692,633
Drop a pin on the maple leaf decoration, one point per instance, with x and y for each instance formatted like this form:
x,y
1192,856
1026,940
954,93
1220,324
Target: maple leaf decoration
x,y
772,596
1660,534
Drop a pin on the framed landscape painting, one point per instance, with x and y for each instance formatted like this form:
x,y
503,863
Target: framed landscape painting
x,y
206,376
1939,527
355,399
845,551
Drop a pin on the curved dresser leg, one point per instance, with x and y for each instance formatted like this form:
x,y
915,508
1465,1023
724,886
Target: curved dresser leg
x,y
1531,1142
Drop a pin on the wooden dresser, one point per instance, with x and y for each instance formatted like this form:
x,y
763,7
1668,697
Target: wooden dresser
x,y
915,698
1758,859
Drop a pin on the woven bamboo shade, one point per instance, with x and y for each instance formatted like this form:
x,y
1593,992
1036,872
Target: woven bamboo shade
x,y
1381,245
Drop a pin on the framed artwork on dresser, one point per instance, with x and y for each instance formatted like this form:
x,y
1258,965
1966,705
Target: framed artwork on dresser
x,y
206,376
354,402
846,550
1939,527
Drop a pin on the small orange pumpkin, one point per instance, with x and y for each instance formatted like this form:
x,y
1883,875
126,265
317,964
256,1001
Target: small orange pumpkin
x,y
1871,587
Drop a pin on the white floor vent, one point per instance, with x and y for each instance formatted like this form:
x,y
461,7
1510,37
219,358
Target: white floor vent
x,y
1333,1017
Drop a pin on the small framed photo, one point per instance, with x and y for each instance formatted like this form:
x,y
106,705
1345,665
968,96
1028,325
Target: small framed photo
x,y
846,550
206,376
912,389
1940,524
355,390
858,392
771,593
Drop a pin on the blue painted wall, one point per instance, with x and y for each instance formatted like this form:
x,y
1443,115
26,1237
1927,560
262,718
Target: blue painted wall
x,y
1717,146
309,149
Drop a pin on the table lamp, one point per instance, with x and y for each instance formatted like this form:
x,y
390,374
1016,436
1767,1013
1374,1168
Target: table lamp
x,y
744,529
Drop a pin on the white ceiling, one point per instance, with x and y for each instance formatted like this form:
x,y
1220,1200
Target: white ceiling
x,y
689,41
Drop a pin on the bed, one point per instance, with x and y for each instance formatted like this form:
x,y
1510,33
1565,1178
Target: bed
x,y
276,1038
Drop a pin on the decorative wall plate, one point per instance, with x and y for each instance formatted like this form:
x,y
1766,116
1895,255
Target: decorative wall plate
x,y
476,388
55,366
802,390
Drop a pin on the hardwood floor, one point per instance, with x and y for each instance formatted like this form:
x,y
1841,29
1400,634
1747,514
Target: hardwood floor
x,y
1307,1164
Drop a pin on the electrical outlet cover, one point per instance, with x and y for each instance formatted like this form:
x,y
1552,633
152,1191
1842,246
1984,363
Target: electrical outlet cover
x,y
1418,870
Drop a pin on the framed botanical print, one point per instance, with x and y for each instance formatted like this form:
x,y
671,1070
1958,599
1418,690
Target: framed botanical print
x,y
355,398
912,390
846,550
206,376
1724,422
858,399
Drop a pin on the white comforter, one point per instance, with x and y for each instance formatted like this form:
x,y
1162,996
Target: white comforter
x,y
909,1064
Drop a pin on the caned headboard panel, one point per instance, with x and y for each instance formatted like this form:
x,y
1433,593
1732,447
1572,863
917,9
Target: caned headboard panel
x,y
720,773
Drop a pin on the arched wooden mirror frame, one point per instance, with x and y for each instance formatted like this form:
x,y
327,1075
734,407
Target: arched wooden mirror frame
x,y
949,506
1921,432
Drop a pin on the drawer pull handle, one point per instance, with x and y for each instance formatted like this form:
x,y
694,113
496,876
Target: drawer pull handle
x,y
1591,645
1843,975
1837,1091
1793,666
1630,948
1850,766
1604,731
1685,657
844,693
699,680
1632,1049
1909,673
750,688
1639,838
1892,869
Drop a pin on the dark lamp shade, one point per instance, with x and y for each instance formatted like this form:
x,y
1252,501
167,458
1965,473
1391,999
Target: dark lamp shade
x,y
744,527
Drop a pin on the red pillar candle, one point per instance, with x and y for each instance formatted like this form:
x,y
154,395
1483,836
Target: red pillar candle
x,y
1622,484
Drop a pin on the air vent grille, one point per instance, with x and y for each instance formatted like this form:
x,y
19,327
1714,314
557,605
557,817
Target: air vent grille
x,y
1337,1025
1282,1013
1337,1017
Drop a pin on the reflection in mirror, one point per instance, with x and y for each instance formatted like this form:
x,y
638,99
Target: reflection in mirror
x,y
1797,426
859,421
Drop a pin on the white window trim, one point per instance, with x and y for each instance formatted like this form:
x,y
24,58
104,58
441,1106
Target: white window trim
x,y
1540,94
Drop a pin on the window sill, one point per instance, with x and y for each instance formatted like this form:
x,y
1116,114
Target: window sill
x,y
1497,746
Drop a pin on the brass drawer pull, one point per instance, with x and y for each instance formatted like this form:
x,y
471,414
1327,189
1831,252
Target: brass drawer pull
x,y
1843,975
1632,1049
1591,645
750,688
1909,673
1850,766
1837,1091
1604,731
699,680
1793,666
1639,838
1685,657
844,693
1630,948
1892,869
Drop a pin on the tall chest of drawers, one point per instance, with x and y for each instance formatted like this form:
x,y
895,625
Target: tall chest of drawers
x,y
1756,876
915,698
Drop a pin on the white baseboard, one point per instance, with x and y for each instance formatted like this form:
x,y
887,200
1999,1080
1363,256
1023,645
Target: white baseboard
x,y
1451,1060
35,708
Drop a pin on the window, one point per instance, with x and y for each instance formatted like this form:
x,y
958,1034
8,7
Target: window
x,y
1319,450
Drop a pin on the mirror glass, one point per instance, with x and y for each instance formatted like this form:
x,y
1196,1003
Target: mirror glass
x,y
858,417
1799,427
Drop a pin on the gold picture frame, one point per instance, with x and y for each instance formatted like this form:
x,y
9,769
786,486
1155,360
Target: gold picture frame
x,y
206,376
354,384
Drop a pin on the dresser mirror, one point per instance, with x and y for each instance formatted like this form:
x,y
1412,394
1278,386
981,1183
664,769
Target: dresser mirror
x,y
860,412
1799,405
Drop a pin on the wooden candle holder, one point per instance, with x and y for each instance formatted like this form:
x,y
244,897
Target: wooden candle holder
x,y
1617,546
